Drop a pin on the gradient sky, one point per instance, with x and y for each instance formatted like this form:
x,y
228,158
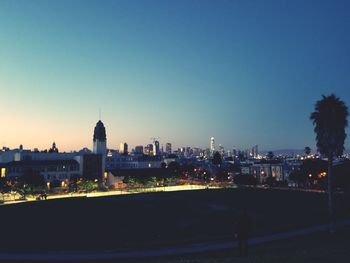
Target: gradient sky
x,y
245,72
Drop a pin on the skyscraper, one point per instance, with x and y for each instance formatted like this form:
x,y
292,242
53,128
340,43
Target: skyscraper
x,y
123,148
255,151
168,148
100,143
148,150
156,149
221,150
212,146
139,149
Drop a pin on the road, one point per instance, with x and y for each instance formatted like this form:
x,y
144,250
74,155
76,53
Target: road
x,y
119,192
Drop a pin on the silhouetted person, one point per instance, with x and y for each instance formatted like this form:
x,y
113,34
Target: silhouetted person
x,y
242,230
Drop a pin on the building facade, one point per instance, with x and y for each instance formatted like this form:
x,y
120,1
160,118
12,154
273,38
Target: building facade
x,y
100,144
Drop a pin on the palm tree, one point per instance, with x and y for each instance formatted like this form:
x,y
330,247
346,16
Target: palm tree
x,y
330,120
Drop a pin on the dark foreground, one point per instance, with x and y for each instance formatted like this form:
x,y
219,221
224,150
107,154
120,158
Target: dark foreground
x,y
155,220
320,248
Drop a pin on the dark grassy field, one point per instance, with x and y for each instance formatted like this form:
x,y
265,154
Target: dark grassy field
x,y
155,219
318,248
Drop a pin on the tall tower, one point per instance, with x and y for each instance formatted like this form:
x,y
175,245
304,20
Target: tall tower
x,y
156,150
168,148
123,148
221,150
212,146
100,143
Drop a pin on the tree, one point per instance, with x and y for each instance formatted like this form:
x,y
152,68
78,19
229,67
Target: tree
x,y
245,179
217,159
307,150
330,120
270,155
174,168
130,181
33,178
152,181
163,165
87,186
271,181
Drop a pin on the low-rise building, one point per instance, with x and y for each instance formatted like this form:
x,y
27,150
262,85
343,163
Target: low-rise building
x,y
116,161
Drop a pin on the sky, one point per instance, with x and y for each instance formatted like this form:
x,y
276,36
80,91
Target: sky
x,y
245,72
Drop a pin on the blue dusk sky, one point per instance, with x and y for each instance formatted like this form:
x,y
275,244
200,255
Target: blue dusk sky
x,y
246,72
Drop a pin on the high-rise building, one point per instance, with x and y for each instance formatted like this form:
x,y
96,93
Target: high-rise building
x,y
156,149
212,146
168,148
100,143
234,152
123,148
221,150
139,149
148,150
255,151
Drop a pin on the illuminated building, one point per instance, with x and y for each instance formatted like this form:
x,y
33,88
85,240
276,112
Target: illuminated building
x,y
123,148
156,149
212,146
255,151
119,161
50,170
148,150
3,172
221,150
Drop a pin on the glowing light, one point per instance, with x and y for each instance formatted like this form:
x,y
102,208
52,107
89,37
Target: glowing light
x,y
323,174
3,172
105,174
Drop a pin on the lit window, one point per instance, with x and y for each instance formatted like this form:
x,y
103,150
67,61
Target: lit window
x,y
3,172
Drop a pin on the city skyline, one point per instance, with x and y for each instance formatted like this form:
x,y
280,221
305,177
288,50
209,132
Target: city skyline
x,y
245,73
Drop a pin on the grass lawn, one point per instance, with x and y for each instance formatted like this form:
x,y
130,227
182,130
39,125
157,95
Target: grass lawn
x,y
155,219
320,247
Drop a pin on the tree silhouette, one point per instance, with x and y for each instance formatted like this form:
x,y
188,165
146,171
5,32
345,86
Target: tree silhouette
x,y
32,178
330,120
307,150
174,167
270,155
217,159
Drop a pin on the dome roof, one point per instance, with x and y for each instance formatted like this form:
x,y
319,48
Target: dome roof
x,y
100,132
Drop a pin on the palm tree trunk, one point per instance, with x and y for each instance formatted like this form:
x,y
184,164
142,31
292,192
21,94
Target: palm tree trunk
x,y
330,195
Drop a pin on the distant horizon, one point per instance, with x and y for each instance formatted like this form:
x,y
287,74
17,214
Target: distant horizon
x,y
130,147
244,72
